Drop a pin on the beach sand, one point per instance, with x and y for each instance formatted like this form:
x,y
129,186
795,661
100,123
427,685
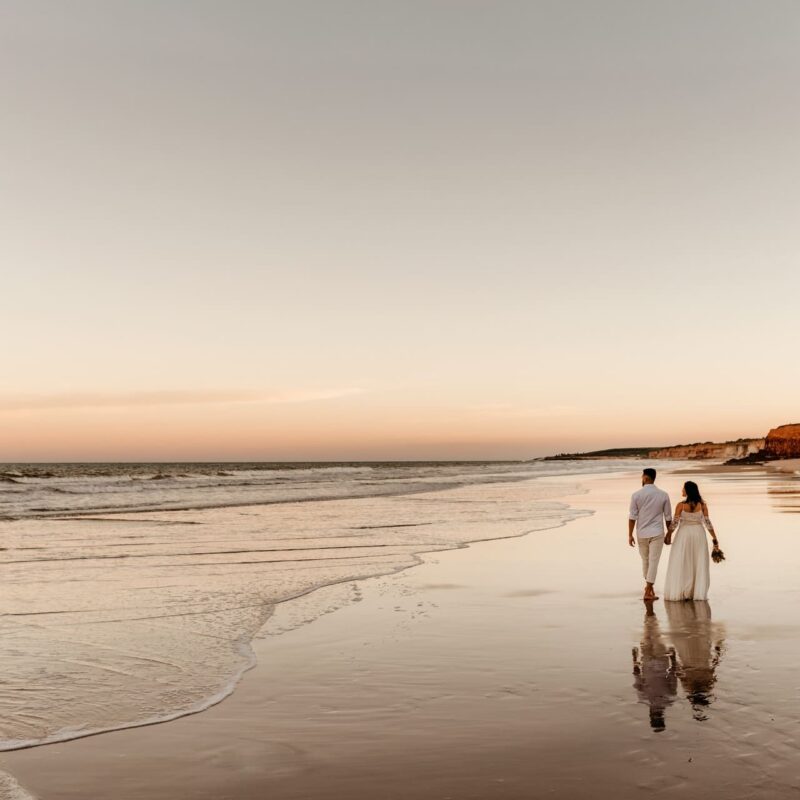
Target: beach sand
x,y
503,670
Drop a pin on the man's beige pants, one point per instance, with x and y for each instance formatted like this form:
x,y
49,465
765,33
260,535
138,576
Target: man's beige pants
x,y
650,551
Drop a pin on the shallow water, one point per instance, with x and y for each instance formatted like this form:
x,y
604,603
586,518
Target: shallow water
x,y
117,620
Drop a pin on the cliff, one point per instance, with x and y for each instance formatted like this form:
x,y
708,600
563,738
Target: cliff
x,y
782,442
741,448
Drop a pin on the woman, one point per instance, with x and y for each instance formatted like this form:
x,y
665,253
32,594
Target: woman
x,y
687,573
699,645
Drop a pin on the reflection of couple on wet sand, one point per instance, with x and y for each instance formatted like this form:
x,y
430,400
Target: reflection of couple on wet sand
x,y
688,572
690,659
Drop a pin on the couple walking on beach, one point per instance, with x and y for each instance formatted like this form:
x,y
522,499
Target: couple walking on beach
x,y
688,568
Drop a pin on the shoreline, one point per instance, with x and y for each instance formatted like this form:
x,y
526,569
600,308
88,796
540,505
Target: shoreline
x,y
249,652
381,556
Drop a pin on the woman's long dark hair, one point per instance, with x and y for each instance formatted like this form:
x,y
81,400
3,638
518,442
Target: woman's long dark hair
x,y
693,496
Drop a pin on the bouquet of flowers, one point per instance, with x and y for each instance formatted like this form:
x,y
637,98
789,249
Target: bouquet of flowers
x,y
716,554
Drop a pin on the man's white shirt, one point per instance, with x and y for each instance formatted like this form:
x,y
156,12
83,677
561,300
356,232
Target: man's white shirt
x,y
650,508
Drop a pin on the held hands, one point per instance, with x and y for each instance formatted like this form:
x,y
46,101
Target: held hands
x,y
670,530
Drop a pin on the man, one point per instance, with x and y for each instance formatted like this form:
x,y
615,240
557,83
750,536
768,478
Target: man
x,y
649,511
654,668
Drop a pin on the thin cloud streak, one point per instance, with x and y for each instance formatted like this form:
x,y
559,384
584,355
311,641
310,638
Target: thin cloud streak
x,y
84,400
511,411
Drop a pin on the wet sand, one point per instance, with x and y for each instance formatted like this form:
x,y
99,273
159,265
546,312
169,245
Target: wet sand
x,y
514,668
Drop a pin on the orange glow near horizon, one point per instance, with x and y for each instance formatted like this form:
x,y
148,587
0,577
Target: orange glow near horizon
x,y
333,430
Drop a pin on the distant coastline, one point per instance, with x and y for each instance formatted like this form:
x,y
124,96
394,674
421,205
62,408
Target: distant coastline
x,y
614,452
700,451
782,442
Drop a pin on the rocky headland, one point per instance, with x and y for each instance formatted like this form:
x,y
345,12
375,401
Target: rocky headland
x,y
781,443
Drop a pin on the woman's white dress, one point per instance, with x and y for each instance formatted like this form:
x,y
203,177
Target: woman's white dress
x,y
688,570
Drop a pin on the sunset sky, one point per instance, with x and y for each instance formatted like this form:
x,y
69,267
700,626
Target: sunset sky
x,y
411,229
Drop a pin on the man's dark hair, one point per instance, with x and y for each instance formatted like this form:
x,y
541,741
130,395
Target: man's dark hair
x,y
651,473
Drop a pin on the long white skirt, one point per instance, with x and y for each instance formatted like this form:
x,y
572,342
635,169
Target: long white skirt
x,y
688,572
